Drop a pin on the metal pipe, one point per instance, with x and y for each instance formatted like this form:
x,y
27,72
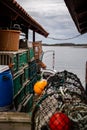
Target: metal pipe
x,y
53,56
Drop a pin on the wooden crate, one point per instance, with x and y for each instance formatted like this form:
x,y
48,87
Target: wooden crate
x,y
9,58
15,59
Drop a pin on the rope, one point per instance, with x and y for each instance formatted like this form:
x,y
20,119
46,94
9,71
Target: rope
x,y
64,93
64,38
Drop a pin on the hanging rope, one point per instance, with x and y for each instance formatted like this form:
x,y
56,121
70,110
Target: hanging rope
x,y
64,38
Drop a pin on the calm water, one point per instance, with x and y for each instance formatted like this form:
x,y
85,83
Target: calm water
x,y
72,59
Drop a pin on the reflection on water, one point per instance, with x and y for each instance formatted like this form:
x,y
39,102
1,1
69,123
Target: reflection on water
x,y
72,59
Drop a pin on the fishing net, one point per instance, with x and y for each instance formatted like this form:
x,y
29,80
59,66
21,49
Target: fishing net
x,y
63,94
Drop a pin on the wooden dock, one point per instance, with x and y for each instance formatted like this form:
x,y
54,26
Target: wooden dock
x,y
15,121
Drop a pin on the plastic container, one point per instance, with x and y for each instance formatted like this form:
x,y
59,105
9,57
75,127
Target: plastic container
x,y
6,88
9,40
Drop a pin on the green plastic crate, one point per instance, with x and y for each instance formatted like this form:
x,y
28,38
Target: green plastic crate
x,y
15,63
38,76
30,85
32,69
26,73
34,80
31,54
29,88
28,104
19,98
22,58
18,82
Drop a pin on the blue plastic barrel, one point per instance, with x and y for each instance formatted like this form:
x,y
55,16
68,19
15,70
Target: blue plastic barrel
x,y
6,88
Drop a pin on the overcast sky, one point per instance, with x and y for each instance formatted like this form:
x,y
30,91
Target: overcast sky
x,y
54,17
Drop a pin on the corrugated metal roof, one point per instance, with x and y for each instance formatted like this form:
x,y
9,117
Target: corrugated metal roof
x,y
78,11
11,9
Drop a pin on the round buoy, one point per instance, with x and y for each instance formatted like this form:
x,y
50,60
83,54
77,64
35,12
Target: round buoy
x,y
59,121
39,86
43,84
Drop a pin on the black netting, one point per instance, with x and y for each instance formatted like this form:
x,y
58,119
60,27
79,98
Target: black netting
x,y
63,94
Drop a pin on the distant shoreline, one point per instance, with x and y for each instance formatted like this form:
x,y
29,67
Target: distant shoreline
x,y
66,45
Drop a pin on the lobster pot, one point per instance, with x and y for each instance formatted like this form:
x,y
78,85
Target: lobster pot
x,y
9,40
6,88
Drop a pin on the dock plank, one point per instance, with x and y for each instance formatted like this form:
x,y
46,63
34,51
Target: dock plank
x,y
15,117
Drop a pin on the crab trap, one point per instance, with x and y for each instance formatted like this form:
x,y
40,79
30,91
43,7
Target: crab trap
x,y
62,105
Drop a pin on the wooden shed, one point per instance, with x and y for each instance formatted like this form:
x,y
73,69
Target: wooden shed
x,y
12,13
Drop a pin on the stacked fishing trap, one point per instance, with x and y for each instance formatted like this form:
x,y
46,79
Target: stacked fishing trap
x,y
62,105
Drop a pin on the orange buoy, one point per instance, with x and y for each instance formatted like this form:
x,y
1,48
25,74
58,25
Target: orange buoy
x,y
39,86
43,83
37,90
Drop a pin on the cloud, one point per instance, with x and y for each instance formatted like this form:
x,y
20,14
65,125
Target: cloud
x,y
53,15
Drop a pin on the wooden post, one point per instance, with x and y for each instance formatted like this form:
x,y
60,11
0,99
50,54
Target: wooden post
x,y
86,78
27,34
33,36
